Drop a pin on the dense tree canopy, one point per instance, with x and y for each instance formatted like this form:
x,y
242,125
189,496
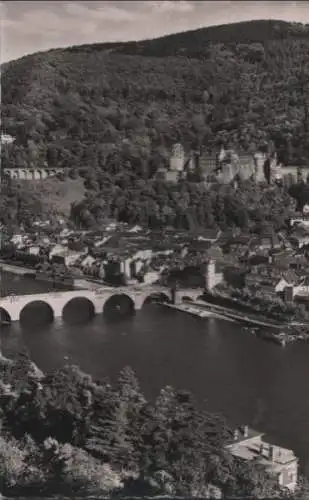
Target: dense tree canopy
x,y
66,433
74,107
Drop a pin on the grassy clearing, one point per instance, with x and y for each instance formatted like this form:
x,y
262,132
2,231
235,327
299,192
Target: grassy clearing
x,y
58,195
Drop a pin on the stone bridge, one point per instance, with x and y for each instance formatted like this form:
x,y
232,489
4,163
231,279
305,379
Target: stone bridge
x,y
32,173
13,306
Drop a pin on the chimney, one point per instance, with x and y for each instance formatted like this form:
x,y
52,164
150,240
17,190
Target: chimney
x,y
236,435
261,448
271,453
246,431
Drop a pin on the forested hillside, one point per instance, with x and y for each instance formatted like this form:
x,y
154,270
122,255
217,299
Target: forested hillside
x,y
112,112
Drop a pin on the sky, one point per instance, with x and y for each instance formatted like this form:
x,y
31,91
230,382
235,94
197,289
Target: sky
x,y
27,27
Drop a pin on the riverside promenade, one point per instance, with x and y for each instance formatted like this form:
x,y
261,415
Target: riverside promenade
x,y
249,318
196,310
203,309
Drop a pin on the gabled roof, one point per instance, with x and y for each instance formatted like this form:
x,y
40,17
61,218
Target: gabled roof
x,y
290,277
241,437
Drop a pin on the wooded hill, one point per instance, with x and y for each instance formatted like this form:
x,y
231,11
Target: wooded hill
x,y
112,111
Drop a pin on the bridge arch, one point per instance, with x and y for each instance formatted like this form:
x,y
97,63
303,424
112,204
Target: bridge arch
x,y
156,297
36,312
187,298
78,310
5,317
119,304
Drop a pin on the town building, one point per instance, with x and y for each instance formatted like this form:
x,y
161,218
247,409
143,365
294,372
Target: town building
x,y
292,173
206,164
7,139
300,236
302,289
301,219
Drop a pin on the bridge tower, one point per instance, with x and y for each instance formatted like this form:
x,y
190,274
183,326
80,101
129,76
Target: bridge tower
x,y
174,294
213,278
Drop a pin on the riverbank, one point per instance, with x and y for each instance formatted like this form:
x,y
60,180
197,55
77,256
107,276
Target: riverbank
x,y
229,313
194,310
35,369
46,409
25,272
18,270
281,334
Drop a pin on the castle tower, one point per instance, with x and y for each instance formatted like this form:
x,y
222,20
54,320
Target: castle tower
x,y
212,278
174,294
177,159
259,159
221,156
227,173
273,170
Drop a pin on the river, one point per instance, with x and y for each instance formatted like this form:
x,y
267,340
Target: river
x,y
248,380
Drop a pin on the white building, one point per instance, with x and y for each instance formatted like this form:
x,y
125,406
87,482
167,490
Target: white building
x,y
302,290
7,139
282,463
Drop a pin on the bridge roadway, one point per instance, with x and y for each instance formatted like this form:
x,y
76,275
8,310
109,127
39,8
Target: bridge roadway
x,y
12,306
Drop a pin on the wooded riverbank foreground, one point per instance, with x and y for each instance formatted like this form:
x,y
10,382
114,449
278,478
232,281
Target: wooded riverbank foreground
x,y
64,433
